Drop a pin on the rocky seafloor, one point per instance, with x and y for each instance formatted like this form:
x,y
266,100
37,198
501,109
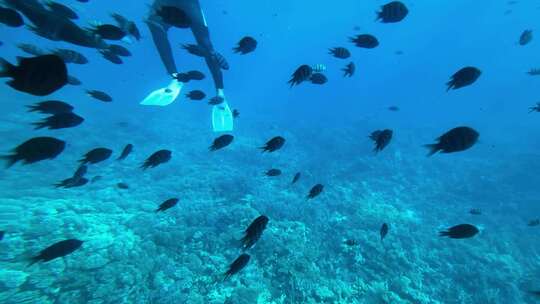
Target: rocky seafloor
x,y
133,255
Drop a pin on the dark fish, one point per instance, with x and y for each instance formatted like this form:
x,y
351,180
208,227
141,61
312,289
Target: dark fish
x,y
2,233
273,144
173,16
217,100
62,10
72,183
534,72
70,56
72,80
10,17
462,231
167,204
59,121
384,231
96,155
57,250
221,142
393,108
301,74
36,149
533,223
80,172
122,186
108,32
196,95
119,50
296,178
318,78
40,76
398,52
236,113
254,232
51,107
381,138
392,12
475,211
31,49
246,45
127,150
273,172
349,69
195,49
99,95
351,242
182,77
456,140
535,108
525,37
365,41
127,26
112,57
195,75
156,159
340,52
315,191
462,78
237,265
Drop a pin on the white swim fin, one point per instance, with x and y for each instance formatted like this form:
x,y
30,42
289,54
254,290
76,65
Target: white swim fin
x,y
164,96
222,118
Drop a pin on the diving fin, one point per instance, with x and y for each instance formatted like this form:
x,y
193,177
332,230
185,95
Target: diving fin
x,y
164,96
222,118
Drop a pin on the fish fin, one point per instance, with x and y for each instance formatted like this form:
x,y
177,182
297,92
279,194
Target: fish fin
x,y
33,260
10,159
40,124
433,148
444,233
6,68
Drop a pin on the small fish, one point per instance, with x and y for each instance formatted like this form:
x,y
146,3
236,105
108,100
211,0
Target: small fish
x,y
526,37
221,142
384,231
315,191
72,80
475,211
535,108
127,26
318,78
111,56
365,41
301,74
71,183
254,232
96,155
195,49
57,250
246,45
195,75
122,186
59,121
392,12
462,78
533,223
51,107
99,95
216,100
108,32
39,76
235,113
167,204
273,144
534,72
156,159
80,172
10,17
2,233
196,95
119,50
393,108
296,178
238,264
173,16
349,69
462,231
31,49
125,152
351,242
222,62
273,172
456,140
61,10
339,52
381,138
36,149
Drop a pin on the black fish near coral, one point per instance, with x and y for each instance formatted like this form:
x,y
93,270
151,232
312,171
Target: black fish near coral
x,y
349,69
464,77
340,52
315,191
221,142
384,231
57,250
273,144
392,12
254,232
51,107
246,45
156,159
381,138
462,231
365,41
456,140
40,76
96,155
167,204
59,121
273,172
36,149
99,95
238,264
125,152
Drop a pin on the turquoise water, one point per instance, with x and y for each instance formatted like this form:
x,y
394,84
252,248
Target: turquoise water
x,y
133,255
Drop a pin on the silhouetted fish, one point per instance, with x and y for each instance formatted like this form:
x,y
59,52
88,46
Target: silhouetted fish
x,y
111,56
119,50
156,159
456,140
235,113
273,144
2,233
96,155
254,232
221,142
31,49
381,138
315,191
72,183
393,108
10,17
384,231
196,95
340,52
108,32
366,41
127,26
301,74
533,223
122,186
392,12
296,178
36,149
460,231
40,76
535,108
195,75
475,211
99,95
462,78
167,204
57,250
59,121
246,45
51,107
534,72
125,152
72,80
273,172
236,266
70,56
349,69
61,10
525,37
318,78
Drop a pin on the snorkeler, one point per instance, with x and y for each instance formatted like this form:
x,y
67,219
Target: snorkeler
x,y
186,14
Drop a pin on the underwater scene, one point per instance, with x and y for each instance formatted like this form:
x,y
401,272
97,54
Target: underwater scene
x,y
285,151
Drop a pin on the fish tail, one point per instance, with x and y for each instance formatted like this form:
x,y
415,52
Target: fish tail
x,y
444,233
39,125
10,160
433,148
6,68
33,261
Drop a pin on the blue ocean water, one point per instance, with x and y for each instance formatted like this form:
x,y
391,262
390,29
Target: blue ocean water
x,y
324,250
